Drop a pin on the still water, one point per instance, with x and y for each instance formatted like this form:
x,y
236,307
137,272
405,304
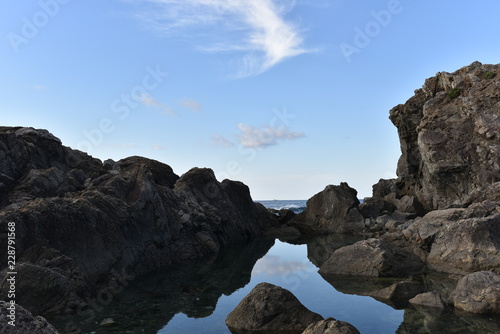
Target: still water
x,y
197,296
287,265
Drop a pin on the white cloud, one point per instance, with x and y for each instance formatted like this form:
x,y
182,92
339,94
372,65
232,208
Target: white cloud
x,y
268,136
149,101
219,140
190,104
256,27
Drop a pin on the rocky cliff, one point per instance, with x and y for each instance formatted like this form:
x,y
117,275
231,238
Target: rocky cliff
x,y
450,137
81,224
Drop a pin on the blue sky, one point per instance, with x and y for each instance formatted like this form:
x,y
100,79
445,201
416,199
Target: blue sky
x,y
286,96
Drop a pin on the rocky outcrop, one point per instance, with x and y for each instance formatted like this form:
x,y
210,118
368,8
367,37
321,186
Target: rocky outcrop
x,y
269,308
81,224
22,321
450,137
478,293
334,210
372,258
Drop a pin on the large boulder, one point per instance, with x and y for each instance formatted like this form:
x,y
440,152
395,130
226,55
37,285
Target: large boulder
x,y
478,292
269,308
79,222
334,210
450,136
372,258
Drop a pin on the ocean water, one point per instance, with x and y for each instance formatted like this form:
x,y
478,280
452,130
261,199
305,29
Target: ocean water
x,y
296,206
197,296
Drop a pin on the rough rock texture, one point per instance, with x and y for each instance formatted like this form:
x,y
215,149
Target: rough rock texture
x,y
458,241
373,258
25,323
81,224
450,136
270,308
478,292
334,210
331,326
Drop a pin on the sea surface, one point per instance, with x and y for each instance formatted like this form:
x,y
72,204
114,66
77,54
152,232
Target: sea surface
x,y
198,296
296,206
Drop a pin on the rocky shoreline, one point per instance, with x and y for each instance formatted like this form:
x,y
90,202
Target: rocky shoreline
x,y
82,224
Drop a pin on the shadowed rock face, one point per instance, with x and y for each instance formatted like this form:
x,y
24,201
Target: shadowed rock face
x,y
82,221
450,136
334,210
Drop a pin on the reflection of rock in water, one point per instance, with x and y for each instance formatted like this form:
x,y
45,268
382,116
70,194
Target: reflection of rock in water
x,y
319,249
416,322
152,300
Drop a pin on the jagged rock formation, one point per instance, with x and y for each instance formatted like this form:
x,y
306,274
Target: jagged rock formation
x,y
450,137
81,224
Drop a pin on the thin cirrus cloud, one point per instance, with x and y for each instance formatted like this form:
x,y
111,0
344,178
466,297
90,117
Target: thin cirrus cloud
x,y
256,28
149,101
254,137
264,137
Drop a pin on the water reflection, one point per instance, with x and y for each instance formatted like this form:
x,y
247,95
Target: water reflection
x,y
152,300
196,297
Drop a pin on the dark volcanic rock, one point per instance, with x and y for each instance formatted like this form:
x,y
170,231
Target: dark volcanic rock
x,y
478,292
269,308
450,142
82,221
331,326
334,210
24,322
373,258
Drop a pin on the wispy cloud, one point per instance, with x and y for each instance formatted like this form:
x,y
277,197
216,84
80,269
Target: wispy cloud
x,y
267,136
255,27
40,87
157,147
190,104
149,101
222,141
